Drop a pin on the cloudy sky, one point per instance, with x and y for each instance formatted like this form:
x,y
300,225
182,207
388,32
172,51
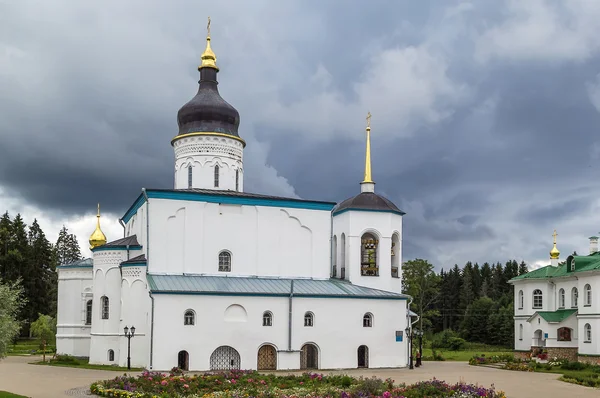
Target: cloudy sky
x,y
486,114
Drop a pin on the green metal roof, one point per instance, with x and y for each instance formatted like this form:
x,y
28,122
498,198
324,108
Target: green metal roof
x,y
555,316
83,263
254,286
582,264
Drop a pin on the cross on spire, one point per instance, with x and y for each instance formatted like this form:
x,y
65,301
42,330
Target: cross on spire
x,y
554,235
208,28
369,120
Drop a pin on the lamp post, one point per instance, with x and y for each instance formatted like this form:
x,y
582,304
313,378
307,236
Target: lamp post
x,y
129,333
419,333
409,337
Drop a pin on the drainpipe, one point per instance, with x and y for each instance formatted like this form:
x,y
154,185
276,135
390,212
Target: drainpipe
x,y
151,329
123,225
147,230
290,318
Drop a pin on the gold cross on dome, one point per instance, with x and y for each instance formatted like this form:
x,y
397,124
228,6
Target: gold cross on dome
x,y
369,120
554,235
208,27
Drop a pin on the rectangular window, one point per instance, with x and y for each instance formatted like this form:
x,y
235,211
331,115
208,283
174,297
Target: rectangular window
x,y
189,176
237,180
217,176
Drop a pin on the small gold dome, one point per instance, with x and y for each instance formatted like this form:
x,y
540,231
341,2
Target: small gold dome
x,y
97,238
554,253
209,59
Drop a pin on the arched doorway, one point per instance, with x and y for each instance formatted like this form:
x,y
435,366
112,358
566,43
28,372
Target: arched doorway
x,y
267,358
225,358
183,360
309,357
538,339
363,356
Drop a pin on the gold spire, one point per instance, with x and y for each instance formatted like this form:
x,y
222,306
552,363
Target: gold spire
x,y
209,59
554,253
368,178
97,238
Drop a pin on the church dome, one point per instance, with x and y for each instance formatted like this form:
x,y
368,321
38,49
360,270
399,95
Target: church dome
x,y
368,201
97,238
208,112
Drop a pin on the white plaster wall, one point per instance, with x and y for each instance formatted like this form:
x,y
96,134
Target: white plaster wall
x,y
523,344
74,289
187,236
203,153
528,286
337,330
593,279
552,330
592,348
567,284
383,225
137,226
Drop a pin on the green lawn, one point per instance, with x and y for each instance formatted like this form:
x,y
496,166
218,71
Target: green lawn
x,y
4,394
469,352
29,347
83,364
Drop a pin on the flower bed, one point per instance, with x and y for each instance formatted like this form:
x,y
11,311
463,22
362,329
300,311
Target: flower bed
x,y
483,360
236,384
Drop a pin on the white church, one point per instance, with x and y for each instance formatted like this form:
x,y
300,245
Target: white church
x,y
211,277
557,307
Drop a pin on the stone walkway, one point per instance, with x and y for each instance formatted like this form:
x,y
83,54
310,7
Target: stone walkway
x,y
19,377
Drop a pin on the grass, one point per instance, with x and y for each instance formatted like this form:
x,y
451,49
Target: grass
x,y
586,377
29,347
4,394
72,362
464,355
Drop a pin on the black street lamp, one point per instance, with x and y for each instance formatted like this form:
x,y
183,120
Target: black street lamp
x,y
129,334
409,337
419,333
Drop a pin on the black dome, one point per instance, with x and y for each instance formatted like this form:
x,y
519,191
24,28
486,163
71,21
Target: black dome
x,y
368,201
207,112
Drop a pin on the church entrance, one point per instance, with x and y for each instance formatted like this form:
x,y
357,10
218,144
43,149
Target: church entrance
x,y
309,357
363,356
225,358
267,358
183,360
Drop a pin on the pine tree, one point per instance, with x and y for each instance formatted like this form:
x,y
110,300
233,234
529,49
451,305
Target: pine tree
x,y
468,289
67,248
523,268
5,234
44,279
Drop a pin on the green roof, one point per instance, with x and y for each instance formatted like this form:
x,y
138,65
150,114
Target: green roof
x,y
582,264
555,316
254,286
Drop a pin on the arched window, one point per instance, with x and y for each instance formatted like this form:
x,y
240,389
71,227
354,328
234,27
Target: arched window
x,y
343,256
105,307
237,180
189,176
561,298
267,319
309,319
537,298
574,297
224,262
521,299
395,256
368,320
368,255
520,331
334,257
587,330
587,291
88,312
189,318
111,356
216,176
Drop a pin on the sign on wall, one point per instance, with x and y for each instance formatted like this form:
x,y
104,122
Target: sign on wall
x,y
399,334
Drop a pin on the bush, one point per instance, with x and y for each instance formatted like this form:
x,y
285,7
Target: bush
x,y
456,343
442,339
574,365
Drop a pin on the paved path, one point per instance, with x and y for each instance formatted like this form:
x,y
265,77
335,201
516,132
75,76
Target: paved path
x,y
19,377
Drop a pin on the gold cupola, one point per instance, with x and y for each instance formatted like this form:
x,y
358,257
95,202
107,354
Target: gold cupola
x,y
209,59
97,238
554,253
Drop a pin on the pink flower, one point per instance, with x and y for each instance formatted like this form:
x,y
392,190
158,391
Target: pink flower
x,y
164,382
186,386
150,378
301,382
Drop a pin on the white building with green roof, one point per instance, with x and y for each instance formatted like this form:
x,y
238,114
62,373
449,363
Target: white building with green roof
x,y
557,307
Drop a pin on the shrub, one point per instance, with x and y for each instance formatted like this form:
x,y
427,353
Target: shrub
x,y
456,343
442,339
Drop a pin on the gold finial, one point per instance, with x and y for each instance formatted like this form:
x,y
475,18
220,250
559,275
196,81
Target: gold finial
x,y
554,253
368,178
209,59
97,238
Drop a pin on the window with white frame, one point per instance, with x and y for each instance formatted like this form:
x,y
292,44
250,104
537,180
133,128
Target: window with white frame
x,y
574,297
309,319
368,320
105,307
587,330
521,299
561,298
537,298
587,291
88,312
224,261
267,319
216,176
111,356
189,318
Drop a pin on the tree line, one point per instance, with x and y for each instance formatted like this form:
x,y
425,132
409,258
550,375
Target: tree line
x,y
476,301
28,267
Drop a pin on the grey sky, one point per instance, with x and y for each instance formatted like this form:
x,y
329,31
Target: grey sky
x,y
485,113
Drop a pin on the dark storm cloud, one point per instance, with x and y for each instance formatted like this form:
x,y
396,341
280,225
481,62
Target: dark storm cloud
x,y
471,137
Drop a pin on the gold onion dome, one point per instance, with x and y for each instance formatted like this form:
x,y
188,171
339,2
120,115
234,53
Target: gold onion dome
x,y
209,59
97,238
554,253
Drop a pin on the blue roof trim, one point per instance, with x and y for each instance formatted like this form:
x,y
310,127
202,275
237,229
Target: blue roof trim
x,y
236,200
140,264
134,208
401,213
279,295
107,248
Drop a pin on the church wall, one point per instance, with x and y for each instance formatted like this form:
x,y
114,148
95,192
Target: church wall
x,y
136,225
593,347
383,225
237,322
552,330
523,341
187,237
594,282
74,289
